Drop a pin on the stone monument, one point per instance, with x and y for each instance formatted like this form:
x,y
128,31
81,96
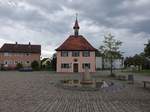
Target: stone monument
x,y
86,78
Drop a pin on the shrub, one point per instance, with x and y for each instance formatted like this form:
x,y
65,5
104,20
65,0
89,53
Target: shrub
x,y
19,65
35,65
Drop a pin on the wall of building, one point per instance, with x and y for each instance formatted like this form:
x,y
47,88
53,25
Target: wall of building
x,y
117,63
80,61
11,59
99,63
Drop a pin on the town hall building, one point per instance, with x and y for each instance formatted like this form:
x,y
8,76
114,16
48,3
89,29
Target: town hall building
x,y
76,54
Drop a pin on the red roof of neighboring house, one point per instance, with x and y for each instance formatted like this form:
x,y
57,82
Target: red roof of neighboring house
x,y
21,48
76,43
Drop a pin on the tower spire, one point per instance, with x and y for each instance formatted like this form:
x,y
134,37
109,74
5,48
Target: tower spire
x,y
76,26
76,16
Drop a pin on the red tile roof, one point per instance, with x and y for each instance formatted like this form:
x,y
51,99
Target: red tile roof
x,y
76,43
21,48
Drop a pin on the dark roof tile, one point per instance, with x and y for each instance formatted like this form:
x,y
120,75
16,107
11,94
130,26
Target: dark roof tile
x,y
21,48
76,43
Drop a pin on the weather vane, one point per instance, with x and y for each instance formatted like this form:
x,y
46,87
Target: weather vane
x,y
76,16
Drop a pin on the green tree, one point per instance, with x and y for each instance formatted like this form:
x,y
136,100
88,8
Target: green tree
x,y
54,61
128,61
138,61
35,65
48,65
147,49
19,65
110,49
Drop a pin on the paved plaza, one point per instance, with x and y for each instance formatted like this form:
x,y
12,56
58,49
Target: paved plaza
x,y
35,92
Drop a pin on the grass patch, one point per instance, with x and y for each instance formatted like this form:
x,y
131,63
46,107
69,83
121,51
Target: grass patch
x,y
147,72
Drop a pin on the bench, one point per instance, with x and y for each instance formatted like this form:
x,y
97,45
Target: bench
x,y
146,82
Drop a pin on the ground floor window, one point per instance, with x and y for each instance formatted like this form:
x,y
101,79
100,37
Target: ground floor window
x,y
6,62
84,65
65,65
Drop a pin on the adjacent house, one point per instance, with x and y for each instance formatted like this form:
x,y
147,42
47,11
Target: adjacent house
x,y
76,53
11,54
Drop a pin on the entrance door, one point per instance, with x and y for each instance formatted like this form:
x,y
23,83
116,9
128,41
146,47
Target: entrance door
x,y
75,67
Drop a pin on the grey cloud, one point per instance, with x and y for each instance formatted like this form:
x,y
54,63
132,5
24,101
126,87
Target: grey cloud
x,y
103,12
50,6
47,20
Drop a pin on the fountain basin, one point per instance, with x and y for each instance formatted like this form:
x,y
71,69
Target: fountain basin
x,y
78,85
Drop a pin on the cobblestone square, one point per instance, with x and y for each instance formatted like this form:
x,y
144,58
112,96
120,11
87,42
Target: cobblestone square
x,y
34,92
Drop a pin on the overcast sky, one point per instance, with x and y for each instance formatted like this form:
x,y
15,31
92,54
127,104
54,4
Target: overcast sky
x,y
50,22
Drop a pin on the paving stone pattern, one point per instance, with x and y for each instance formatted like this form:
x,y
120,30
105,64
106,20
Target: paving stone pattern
x,y
35,92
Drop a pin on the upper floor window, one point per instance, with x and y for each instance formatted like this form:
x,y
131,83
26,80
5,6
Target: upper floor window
x,y
86,65
86,53
75,53
6,54
64,53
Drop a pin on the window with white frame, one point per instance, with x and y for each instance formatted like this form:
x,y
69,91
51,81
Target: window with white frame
x,y
64,53
86,53
65,65
75,53
86,65
6,54
5,62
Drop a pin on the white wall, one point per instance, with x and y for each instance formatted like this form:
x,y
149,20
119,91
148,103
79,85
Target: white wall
x,y
98,62
117,63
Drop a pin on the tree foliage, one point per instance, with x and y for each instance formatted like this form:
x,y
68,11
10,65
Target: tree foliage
x,y
110,49
147,49
53,61
19,65
141,60
35,65
137,60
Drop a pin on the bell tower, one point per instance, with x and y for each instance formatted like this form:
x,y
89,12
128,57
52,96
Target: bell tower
x,y
76,27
